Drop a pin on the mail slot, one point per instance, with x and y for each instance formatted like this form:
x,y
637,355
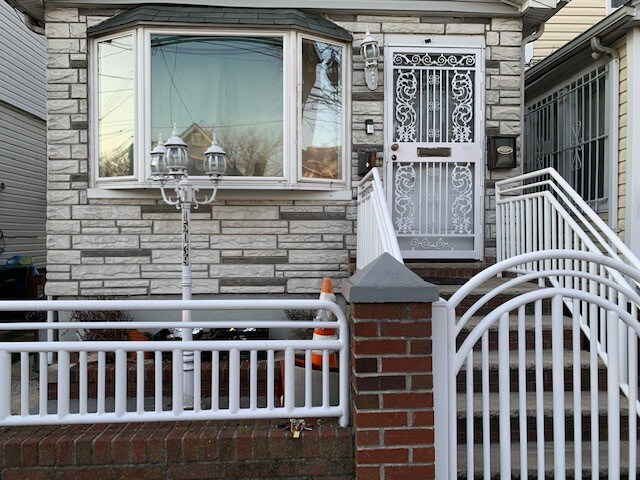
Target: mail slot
x,y
434,152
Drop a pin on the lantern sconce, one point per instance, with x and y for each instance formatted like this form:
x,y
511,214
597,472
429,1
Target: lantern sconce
x,y
370,52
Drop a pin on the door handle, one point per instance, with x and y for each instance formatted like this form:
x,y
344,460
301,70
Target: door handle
x,y
395,147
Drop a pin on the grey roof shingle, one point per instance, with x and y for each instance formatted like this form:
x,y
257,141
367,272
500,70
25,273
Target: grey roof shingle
x,y
289,17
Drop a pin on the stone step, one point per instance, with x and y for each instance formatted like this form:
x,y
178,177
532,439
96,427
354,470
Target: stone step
x,y
531,421
530,333
530,371
531,467
443,272
447,290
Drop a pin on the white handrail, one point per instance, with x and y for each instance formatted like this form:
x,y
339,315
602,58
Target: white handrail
x,y
376,234
214,399
540,211
563,185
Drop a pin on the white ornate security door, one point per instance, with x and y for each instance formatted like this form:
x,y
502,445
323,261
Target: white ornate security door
x,y
434,141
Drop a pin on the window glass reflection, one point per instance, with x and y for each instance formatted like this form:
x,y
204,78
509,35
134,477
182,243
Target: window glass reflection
x,y
115,107
322,113
233,85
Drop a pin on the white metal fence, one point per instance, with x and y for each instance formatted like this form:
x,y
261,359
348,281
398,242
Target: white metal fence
x,y
540,211
375,230
524,392
239,381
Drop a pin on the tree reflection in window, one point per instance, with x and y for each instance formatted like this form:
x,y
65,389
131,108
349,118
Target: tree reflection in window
x,y
230,85
115,107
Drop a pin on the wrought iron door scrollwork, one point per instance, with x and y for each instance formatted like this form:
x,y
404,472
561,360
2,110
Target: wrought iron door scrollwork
x,y
462,183
405,180
405,111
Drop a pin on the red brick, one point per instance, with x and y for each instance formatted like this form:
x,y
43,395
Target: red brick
x,y
193,471
406,329
366,402
368,473
85,473
423,419
420,310
407,364
381,382
29,447
367,437
409,436
191,443
422,382
30,474
365,329
138,447
46,449
382,455
379,310
420,347
376,419
407,400
12,449
140,472
101,445
423,472
365,365
243,441
424,455
379,347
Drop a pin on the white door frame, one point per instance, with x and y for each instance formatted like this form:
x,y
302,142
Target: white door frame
x,y
478,146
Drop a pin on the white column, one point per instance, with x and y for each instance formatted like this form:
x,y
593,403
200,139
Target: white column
x,y
632,220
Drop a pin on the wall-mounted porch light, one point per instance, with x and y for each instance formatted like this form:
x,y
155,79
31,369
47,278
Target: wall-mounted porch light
x,y
370,52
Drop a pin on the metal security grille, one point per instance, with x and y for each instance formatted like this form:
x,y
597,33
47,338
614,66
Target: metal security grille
x,y
566,130
436,114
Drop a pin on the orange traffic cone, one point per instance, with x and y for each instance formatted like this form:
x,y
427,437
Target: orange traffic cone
x,y
326,293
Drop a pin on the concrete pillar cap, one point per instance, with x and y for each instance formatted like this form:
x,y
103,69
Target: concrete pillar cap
x,y
386,280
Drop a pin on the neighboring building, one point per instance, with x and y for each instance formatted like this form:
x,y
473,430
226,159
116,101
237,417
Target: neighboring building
x,y
23,151
581,106
576,17
285,91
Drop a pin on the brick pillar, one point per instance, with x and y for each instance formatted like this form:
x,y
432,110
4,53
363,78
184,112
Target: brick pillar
x,y
391,371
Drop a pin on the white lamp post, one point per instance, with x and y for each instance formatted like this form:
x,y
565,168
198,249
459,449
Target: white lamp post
x,y
169,162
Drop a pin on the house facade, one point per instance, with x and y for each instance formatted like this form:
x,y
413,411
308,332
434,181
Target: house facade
x,y
285,91
23,157
581,108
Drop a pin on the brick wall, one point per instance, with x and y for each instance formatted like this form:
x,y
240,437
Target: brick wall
x,y
130,246
185,450
392,389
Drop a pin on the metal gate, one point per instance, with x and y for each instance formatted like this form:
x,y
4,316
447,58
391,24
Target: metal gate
x,y
434,139
526,386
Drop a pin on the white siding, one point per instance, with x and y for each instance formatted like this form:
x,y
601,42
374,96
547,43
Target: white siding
x,y
22,64
24,172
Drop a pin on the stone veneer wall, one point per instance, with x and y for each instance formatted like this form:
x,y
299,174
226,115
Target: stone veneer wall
x,y
130,247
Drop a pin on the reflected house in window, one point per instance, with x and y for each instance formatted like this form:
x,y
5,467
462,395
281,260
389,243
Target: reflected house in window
x,y
198,140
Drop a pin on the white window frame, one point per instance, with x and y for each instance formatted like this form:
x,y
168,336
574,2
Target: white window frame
x,y
93,109
291,179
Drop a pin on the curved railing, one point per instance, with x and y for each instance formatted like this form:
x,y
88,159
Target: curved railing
x,y
524,363
376,234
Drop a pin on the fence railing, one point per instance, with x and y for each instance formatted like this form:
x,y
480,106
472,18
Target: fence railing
x,y
376,234
539,211
137,381
518,388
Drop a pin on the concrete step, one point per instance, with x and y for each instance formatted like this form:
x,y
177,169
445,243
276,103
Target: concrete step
x,y
531,430
549,451
530,371
445,272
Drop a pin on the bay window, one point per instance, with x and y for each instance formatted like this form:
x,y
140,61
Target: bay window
x,y
275,99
